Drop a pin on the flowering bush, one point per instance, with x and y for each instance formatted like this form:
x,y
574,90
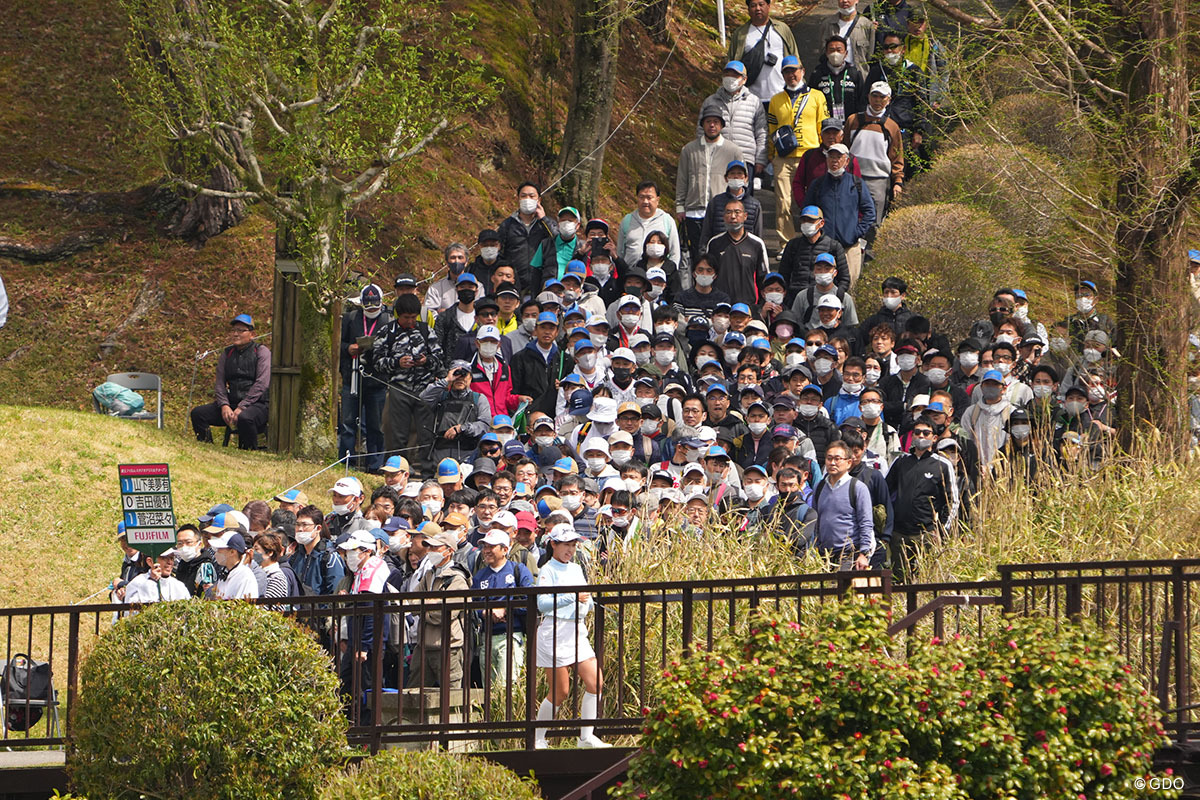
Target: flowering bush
x,y
832,711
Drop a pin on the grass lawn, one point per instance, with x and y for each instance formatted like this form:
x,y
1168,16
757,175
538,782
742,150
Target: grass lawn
x,y
60,505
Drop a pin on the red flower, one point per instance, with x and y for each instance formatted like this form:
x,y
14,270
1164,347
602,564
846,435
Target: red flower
x,y
1012,644
1106,769
1040,736
771,671
922,706
742,746
703,763
887,762
1108,726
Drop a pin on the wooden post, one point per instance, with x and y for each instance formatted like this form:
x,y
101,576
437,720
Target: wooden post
x,y
285,346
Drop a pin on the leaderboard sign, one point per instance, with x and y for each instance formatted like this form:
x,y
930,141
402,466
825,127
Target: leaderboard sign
x,y
146,507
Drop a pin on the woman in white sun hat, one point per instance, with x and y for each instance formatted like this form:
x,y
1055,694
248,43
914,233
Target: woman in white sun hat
x,y
562,637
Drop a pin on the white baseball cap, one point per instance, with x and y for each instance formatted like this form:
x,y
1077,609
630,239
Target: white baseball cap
x,y
829,301
625,353
564,533
359,540
594,443
348,486
505,519
881,87
495,536
488,332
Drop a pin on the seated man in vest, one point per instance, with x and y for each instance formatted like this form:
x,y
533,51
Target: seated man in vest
x,y
243,376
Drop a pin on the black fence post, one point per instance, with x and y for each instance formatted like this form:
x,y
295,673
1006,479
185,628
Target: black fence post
x,y
687,621
1006,588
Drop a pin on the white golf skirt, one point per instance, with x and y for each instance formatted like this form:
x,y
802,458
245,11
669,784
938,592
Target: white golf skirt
x,y
562,642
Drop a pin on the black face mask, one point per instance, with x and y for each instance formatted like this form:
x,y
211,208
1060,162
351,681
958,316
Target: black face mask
x,y
938,430
695,337
622,375
466,295
998,317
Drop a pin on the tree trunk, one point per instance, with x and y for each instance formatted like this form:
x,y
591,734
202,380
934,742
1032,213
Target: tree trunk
x,y
590,112
201,217
654,18
1152,295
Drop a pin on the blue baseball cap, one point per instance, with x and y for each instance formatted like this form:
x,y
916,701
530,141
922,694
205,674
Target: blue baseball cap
x,y
547,316
783,432
564,465
759,343
514,448
789,61
759,468
825,258
1193,255
740,308
993,375
394,524
812,212
580,402
1019,293
736,66
583,344
380,534
1088,284
574,310
574,377
290,496
502,421
545,487
736,164
576,267
120,527
827,350
796,342
466,277
773,276
733,337
396,464
543,508
447,468
552,282
243,319
716,451
578,331
936,407
716,387
489,437
210,515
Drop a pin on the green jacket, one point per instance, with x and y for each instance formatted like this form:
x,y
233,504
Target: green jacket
x,y
737,40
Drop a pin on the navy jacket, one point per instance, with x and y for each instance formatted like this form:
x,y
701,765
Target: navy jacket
x,y
510,576
847,205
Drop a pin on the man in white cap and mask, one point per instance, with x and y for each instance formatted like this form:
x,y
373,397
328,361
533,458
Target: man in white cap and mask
x,y
504,621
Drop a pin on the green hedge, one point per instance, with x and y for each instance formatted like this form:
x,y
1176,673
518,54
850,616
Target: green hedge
x,y
428,775
833,710
206,700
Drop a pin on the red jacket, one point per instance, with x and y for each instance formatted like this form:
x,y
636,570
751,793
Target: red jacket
x,y
812,166
498,391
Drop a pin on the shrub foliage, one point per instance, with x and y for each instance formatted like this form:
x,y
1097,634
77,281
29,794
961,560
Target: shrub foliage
x,y
830,711
428,775
206,700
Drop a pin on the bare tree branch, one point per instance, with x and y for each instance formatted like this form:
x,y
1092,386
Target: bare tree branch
x,y
377,173
956,13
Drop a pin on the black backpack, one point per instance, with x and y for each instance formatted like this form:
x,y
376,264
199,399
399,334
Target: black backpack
x,y
24,679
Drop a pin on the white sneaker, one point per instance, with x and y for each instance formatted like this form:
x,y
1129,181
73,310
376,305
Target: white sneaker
x,y
592,741
541,744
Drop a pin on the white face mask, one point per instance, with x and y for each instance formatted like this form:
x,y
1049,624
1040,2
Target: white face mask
x,y
488,349
755,491
630,321
622,457
586,361
892,303
758,428
1097,394
809,349
664,357
736,184
489,253
654,291
665,327
906,362
505,438
305,538
1042,391
642,357
807,411
1085,304
602,271
620,521
372,314
808,228
432,560
872,376
649,427
871,410
529,324
354,560
852,389
528,205
188,553
837,173
720,324
773,297
431,508
823,366
968,360
892,59
570,296
1022,431
567,229
731,355
835,59
596,464
572,502
397,542
1003,367
846,12
544,441
598,339
705,280
692,455
823,278
793,359
1074,407
656,250
1021,313
731,84
936,376
830,324
1005,338
341,508
1091,354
